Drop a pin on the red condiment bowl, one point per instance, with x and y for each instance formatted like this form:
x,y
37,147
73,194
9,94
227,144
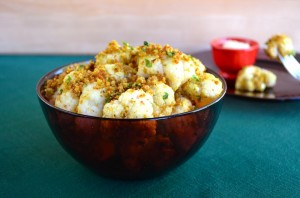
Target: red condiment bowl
x,y
230,61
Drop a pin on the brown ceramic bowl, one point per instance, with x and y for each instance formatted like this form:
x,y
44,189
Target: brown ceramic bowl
x,y
130,148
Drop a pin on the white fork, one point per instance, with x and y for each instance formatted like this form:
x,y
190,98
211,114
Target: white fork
x,y
291,65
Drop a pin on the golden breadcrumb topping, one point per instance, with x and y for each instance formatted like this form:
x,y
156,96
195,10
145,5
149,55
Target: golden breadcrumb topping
x,y
159,74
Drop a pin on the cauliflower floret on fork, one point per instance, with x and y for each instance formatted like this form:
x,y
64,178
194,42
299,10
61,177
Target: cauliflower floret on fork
x,y
279,44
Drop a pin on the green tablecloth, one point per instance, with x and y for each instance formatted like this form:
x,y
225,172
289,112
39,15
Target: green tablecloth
x,y
254,150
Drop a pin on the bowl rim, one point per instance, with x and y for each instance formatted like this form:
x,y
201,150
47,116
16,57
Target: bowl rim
x,y
60,69
215,43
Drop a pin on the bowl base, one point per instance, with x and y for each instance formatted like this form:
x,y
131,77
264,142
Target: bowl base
x,y
228,76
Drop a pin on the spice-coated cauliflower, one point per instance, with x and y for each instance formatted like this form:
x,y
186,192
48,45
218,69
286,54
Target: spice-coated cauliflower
x,y
182,105
64,97
131,104
253,78
208,87
91,100
134,82
279,44
163,98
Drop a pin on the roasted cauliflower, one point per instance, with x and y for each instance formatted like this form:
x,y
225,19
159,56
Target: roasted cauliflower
x,y
254,78
279,44
130,104
134,82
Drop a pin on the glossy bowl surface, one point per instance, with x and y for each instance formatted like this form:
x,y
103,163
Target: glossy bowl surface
x,y
230,61
130,148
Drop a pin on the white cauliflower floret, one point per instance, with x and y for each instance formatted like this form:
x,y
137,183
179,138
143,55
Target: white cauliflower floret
x,y
210,86
174,72
192,89
149,65
279,44
103,59
207,86
65,98
91,101
254,78
114,53
198,65
182,105
70,78
191,68
179,72
115,70
141,109
113,109
135,103
163,97
269,77
67,101
56,93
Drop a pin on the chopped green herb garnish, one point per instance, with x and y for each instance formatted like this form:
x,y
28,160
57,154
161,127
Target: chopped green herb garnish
x,y
195,78
69,79
170,54
60,91
127,45
190,56
146,43
108,99
139,85
165,96
148,63
129,85
80,66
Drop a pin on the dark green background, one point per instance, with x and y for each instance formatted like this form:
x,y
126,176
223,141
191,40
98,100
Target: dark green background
x,y
254,150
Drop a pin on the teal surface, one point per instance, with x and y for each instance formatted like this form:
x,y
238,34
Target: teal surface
x,y
254,150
